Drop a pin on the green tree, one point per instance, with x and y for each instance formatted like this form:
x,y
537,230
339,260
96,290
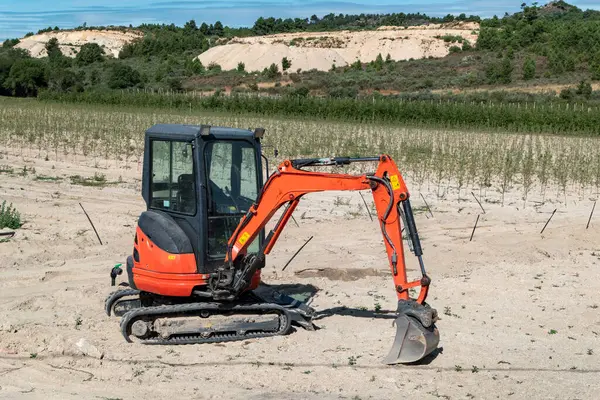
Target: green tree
x,y
528,69
27,76
218,29
499,72
7,59
89,53
241,67
378,64
122,76
285,63
204,28
10,43
190,26
272,71
53,48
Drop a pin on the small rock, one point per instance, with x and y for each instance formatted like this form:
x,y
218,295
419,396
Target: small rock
x,y
88,349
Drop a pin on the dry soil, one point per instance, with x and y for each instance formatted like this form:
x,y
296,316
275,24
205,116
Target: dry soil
x,y
519,310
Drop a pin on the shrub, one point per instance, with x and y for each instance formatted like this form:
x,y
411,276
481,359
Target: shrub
x,y
123,76
584,89
452,38
89,53
9,217
193,67
528,69
285,63
214,67
301,91
595,71
455,49
343,92
62,80
567,94
295,77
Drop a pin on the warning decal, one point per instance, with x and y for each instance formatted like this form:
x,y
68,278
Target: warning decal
x,y
395,182
244,238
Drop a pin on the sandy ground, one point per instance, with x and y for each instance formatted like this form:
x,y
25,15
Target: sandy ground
x,y
321,50
519,309
71,41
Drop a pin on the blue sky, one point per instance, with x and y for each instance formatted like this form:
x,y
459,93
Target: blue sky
x,y
20,17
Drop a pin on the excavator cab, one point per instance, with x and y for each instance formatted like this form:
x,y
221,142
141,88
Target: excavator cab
x,y
197,182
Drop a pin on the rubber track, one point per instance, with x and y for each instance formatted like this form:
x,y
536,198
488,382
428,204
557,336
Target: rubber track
x,y
194,309
114,296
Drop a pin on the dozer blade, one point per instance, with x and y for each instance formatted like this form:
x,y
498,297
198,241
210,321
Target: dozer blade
x,y
413,341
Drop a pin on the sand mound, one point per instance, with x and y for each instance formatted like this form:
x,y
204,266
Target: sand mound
x,y
320,50
71,41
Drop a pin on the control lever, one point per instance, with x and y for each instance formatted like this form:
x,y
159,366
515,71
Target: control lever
x,y
114,272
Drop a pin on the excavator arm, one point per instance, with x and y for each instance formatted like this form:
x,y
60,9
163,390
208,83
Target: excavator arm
x,y
290,183
417,335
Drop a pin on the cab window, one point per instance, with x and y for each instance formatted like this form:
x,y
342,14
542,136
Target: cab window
x,y
173,182
233,188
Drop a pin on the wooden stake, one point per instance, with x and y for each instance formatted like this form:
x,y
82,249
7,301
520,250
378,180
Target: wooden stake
x,y
366,206
592,213
296,222
429,208
475,227
91,223
296,253
553,212
477,200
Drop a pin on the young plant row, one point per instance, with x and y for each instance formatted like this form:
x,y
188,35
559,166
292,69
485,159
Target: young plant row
x,y
444,161
562,119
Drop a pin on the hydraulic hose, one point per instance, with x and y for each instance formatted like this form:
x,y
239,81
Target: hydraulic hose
x,y
388,187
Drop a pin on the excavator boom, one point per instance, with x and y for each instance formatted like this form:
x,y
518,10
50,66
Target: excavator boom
x,y
416,333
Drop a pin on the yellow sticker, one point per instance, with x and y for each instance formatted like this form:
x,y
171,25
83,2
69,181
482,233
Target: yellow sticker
x,y
172,258
395,182
244,238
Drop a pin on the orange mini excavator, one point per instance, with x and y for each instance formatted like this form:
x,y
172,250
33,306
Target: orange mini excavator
x,y
199,248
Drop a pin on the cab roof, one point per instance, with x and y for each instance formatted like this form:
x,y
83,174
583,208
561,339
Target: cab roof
x,y
190,132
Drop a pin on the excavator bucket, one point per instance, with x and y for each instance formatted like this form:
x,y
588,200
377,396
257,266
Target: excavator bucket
x,y
413,341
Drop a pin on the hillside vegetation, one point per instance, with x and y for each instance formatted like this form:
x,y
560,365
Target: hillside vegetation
x,y
555,44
